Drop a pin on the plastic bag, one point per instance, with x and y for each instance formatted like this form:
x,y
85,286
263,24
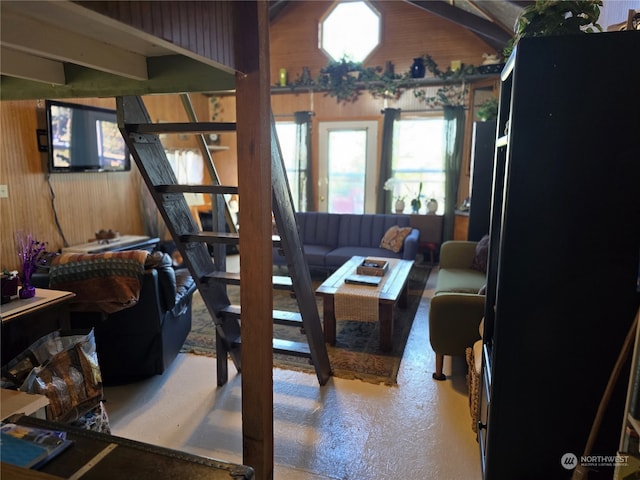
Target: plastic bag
x,y
63,367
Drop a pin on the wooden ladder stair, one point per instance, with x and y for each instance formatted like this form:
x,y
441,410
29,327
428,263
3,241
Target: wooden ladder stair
x,y
211,277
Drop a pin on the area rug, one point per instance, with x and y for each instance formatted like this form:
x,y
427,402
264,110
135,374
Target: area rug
x,y
356,354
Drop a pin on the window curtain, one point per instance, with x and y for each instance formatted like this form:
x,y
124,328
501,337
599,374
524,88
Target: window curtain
x,y
385,198
454,137
303,160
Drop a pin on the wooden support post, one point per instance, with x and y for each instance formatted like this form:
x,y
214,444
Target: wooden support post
x,y
253,107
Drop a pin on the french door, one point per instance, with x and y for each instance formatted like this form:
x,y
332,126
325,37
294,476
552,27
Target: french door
x,y
347,166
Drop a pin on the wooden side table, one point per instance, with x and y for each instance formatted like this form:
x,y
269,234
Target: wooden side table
x,y
25,321
430,227
13,402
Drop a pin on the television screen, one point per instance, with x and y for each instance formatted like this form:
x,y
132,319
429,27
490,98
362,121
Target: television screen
x,y
84,139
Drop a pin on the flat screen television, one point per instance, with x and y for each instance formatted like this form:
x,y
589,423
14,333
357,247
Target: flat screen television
x,y
83,138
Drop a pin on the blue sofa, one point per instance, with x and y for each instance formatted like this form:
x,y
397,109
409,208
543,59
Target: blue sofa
x,y
330,239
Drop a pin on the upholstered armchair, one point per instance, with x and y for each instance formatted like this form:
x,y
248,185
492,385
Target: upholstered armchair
x,y
456,310
453,325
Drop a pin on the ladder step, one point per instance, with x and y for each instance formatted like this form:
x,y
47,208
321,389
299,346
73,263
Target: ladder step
x,y
290,319
211,237
286,347
297,349
229,278
220,237
280,282
181,127
280,317
213,189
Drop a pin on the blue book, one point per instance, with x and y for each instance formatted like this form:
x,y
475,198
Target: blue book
x,y
30,447
20,452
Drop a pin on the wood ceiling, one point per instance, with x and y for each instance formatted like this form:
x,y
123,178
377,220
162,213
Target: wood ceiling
x,y
74,42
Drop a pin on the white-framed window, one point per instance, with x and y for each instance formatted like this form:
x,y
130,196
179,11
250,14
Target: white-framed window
x,y
286,131
418,156
350,30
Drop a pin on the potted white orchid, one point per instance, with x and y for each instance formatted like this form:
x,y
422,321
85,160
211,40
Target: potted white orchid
x,y
392,185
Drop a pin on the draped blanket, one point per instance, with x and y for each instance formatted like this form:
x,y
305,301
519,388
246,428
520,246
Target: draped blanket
x,y
104,282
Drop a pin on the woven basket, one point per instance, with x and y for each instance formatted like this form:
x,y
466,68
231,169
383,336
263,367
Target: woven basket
x,y
473,384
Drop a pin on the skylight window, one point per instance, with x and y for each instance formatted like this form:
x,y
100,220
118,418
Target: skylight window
x,y
350,30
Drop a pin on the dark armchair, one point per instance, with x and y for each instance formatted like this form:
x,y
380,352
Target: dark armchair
x,y
136,341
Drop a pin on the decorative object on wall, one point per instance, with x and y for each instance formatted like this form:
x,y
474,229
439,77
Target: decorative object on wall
x,y
345,79
417,68
492,63
283,77
305,78
389,69
454,95
336,78
548,17
31,253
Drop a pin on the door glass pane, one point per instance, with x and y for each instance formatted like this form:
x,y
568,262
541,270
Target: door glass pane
x,y
346,166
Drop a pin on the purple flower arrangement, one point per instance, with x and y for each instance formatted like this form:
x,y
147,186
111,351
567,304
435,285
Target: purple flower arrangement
x,y
31,253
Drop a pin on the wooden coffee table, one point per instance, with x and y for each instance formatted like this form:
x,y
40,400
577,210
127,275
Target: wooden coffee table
x,y
394,290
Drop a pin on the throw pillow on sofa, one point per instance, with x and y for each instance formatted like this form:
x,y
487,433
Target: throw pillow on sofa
x,y
393,238
482,253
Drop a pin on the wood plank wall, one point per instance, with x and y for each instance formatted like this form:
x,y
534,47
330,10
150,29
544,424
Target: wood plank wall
x,y
84,202
407,32
201,27
90,201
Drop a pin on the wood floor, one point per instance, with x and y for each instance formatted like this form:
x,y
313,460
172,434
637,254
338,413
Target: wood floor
x,y
347,429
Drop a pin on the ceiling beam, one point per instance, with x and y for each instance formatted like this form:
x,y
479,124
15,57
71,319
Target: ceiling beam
x,y
168,74
480,8
62,45
495,36
29,67
276,7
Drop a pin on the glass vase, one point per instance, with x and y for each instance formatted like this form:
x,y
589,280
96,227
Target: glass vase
x,y
432,206
27,291
417,68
